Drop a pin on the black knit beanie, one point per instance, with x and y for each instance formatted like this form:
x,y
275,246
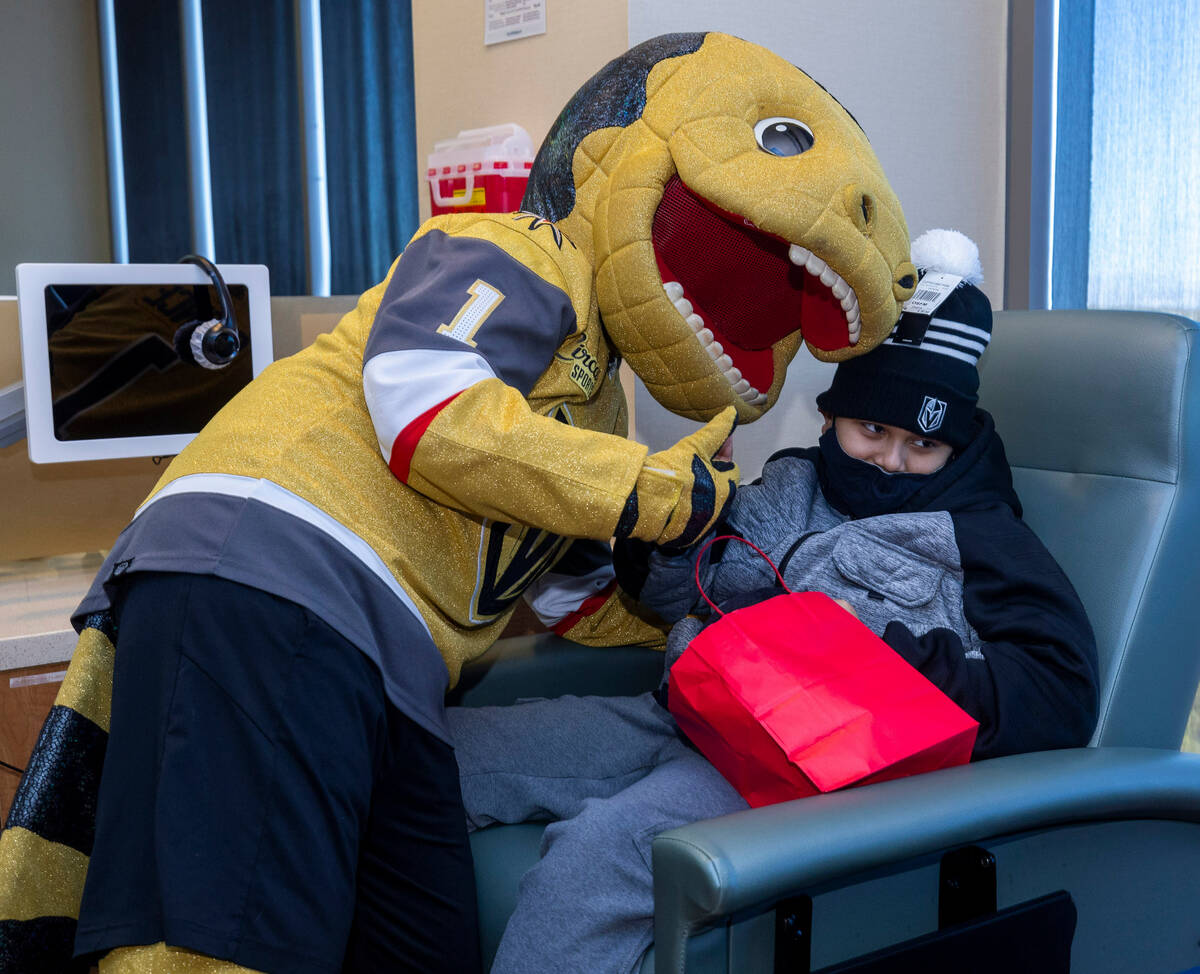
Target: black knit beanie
x,y
923,378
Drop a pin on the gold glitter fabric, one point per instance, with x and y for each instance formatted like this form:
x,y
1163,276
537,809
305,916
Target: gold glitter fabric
x,y
37,877
680,493
620,621
490,491
44,849
87,688
161,959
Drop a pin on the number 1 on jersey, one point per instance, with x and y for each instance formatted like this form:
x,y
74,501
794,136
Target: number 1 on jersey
x,y
483,301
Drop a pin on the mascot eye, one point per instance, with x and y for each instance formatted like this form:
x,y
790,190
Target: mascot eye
x,y
783,136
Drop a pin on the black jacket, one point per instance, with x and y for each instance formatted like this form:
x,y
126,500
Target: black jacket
x,y
953,580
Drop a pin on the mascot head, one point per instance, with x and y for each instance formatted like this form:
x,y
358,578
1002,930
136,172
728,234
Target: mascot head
x,y
733,211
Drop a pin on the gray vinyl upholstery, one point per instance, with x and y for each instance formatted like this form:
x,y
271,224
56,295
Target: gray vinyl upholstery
x,y
1093,407
1098,411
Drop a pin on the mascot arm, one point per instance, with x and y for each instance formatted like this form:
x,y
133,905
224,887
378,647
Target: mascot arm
x,y
579,598
487,453
617,620
464,330
470,320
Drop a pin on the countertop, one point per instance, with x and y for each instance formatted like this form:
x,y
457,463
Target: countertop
x,y
37,597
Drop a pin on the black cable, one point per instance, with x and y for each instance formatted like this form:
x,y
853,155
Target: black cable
x,y
11,767
211,344
210,269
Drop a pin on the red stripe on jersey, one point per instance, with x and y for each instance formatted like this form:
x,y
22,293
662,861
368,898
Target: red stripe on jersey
x,y
590,605
406,441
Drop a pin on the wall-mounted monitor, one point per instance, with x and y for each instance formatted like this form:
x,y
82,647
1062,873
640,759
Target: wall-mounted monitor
x,y
109,370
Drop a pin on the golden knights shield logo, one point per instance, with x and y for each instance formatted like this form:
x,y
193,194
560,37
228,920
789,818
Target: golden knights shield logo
x,y
933,411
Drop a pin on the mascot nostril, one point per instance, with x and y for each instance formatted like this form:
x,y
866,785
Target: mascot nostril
x,y
906,282
859,207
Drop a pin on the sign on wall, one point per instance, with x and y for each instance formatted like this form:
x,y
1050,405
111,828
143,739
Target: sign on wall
x,y
508,20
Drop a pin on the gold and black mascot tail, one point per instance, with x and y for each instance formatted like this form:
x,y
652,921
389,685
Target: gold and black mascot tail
x,y
45,845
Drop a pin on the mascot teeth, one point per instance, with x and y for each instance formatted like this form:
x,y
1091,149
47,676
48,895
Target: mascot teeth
x,y
743,290
746,392
835,282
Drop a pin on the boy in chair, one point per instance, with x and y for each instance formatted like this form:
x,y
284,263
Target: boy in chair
x,y
905,513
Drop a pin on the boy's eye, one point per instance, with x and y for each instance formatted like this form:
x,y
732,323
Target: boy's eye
x,y
873,428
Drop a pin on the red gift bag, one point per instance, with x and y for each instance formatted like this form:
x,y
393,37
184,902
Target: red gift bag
x,y
794,696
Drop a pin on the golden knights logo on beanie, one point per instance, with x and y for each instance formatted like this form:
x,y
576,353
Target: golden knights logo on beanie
x,y
924,377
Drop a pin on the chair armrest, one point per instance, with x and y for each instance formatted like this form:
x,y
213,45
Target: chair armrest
x,y
546,665
711,869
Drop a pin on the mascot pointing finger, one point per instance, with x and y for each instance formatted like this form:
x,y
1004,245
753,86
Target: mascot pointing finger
x,y
264,654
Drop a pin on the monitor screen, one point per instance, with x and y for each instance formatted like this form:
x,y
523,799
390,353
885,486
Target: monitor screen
x,y
114,366
109,367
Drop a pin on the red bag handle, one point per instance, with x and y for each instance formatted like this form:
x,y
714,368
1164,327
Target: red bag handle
x,y
731,537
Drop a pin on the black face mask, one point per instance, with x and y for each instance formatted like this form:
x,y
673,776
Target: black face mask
x,y
862,489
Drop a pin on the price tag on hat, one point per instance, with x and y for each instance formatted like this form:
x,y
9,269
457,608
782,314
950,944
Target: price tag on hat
x,y
932,290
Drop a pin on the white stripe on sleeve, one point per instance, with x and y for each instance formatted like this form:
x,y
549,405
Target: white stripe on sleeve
x,y
554,596
402,385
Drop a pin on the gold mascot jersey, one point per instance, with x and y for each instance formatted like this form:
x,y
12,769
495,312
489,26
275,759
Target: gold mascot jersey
x,y
413,473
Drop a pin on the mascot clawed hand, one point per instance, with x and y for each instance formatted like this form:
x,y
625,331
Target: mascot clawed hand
x,y
700,209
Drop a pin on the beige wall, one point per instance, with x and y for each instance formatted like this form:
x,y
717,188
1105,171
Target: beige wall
x,y
54,207
54,202
461,84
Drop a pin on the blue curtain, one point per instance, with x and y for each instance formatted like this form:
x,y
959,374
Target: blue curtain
x,y
254,120
153,133
370,141
255,154
1073,158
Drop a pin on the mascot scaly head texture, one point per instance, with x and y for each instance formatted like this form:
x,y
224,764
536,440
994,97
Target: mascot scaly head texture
x,y
733,210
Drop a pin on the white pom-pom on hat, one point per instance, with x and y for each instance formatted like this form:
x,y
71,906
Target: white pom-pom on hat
x,y
948,251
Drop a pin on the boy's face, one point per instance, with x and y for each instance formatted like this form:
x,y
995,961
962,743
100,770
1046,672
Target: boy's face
x,y
890,448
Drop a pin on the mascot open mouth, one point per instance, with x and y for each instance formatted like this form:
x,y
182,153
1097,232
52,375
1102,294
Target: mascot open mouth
x,y
741,290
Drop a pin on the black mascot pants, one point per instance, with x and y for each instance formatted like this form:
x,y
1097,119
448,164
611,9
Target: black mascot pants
x,y
262,802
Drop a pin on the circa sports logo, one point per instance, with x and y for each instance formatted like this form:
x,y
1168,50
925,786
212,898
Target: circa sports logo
x,y
933,411
585,367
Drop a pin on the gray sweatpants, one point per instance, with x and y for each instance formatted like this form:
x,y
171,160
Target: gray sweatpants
x,y
609,773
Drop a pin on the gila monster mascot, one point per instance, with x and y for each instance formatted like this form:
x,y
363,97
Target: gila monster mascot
x,y
309,576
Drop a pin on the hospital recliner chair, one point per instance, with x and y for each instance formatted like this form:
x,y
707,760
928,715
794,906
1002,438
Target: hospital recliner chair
x,y
1008,864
